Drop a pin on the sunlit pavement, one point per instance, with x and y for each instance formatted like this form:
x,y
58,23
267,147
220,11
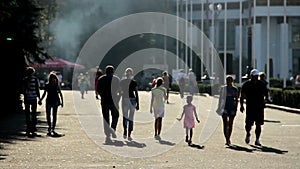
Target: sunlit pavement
x,y
81,143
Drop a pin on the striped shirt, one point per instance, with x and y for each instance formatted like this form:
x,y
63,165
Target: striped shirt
x,y
31,88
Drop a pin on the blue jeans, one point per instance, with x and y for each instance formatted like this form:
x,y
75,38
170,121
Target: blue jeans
x,y
128,109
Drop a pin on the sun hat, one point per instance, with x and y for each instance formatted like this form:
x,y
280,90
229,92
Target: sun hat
x,y
254,72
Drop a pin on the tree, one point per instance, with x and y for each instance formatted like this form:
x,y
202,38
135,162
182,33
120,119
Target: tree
x,y
20,41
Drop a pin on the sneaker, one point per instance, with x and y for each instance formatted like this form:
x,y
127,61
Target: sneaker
x,y
257,142
228,142
125,134
247,139
113,134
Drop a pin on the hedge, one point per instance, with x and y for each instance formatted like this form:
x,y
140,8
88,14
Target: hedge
x,y
289,97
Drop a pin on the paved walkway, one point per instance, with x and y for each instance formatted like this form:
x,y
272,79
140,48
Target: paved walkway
x,y
82,143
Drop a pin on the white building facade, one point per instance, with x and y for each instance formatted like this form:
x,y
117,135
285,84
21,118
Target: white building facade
x,y
264,34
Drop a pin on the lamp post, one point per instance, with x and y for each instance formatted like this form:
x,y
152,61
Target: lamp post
x,y
215,10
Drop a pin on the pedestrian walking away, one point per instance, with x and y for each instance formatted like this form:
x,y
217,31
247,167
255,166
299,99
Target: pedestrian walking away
x,y
189,113
53,100
31,93
227,108
108,88
166,84
254,92
181,82
83,85
157,105
98,74
192,82
130,102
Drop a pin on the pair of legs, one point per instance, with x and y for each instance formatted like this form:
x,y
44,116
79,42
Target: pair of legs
x,y
257,133
128,109
251,117
181,90
168,91
51,123
110,129
157,126
82,91
189,135
30,116
227,127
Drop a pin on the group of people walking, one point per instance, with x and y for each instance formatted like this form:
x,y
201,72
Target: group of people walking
x,y
32,97
111,89
255,92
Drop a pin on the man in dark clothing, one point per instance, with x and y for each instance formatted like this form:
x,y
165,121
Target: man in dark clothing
x,y
108,88
31,92
255,92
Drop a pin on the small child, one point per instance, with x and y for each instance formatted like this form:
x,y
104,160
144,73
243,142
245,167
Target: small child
x,y
189,112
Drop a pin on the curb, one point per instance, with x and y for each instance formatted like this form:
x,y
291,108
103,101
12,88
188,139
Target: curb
x,y
283,108
273,106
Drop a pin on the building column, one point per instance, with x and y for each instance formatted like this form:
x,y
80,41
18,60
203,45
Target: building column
x,y
284,54
257,45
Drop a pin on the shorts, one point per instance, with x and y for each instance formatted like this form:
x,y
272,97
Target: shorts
x,y
159,112
231,113
256,116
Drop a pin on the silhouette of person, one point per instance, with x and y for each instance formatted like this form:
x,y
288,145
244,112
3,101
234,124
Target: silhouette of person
x,y
108,88
53,100
31,92
255,92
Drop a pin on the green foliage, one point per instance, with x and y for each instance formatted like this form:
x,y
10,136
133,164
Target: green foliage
x,y
278,83
286,97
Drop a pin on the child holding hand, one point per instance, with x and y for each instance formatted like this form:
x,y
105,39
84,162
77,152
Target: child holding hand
x,y
189,112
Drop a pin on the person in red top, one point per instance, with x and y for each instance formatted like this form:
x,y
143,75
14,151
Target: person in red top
x,y
97,75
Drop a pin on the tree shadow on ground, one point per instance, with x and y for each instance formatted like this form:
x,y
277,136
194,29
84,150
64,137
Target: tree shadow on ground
x,y
269,149
12,130
239,148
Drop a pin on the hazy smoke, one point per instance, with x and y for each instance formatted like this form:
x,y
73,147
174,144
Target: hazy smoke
x,y
77,20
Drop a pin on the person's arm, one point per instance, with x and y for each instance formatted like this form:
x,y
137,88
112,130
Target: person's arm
x,y
37,87
137,98
242,100
195,112
151,102
41,99
61,97
236,98
181,115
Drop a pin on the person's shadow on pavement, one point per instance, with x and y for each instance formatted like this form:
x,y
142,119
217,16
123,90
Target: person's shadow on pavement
x,y
161,141
269,149
119,143
239,148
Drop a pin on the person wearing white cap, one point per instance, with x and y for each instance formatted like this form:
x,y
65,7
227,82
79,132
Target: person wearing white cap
x,y
254,92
